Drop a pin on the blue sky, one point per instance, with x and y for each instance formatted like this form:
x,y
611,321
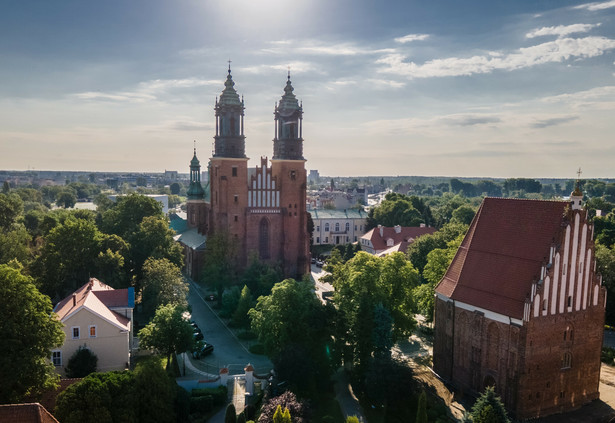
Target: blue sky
x,y
480,88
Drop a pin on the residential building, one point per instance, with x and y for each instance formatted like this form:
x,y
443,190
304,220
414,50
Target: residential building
x,y
99,318
521,307
338,226
384,240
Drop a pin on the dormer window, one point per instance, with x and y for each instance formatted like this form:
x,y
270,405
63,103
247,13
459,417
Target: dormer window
x,y
389,242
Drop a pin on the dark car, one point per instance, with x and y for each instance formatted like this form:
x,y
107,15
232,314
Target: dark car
x,y
201,352
198,335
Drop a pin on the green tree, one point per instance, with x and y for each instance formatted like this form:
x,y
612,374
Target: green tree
x,y
240,316
153,393
29,331
68,256
421,412
352,419
396,209
363,283
11,207
66,199
6,188
175,187
14,245
489,408
219,267
163,284
168,332
98,398
81,363
463,214
126,215
423,245
281,416
605,261
230,415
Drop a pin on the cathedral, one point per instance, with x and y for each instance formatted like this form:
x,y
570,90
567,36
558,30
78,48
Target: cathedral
x,y
263,209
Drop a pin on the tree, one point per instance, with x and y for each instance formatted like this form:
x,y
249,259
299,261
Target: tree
x,y
168,332
352,419
28,331
489,408
98,398
124,218
175,187
281,416
605,260
421,412
218,270
153,393
66,199
14,245
360,286
11,206
299,410
240,316
163,284
81,363
68,256
230,415
396,209
463,214
423,245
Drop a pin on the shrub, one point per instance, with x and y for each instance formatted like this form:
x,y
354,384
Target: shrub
x,y
202,404
219,394
608,356
81,363
230,416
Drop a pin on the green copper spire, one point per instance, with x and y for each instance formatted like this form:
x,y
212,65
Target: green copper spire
x,y
195,190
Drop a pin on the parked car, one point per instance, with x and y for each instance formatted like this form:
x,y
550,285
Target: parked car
x,y
201,352
198,335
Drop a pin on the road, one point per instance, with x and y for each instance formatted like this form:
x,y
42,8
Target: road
x,y
228,350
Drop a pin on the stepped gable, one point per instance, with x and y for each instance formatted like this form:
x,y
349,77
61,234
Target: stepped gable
x,y
501,255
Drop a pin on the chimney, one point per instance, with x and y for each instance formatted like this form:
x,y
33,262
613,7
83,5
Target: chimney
x,y
397,229
381,229
74,300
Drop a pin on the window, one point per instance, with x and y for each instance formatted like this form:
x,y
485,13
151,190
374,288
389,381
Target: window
x,y
263,239
317,240
326,240
293,175
566,360
355,239
570,301
235,198
326,227
234,171
337,227
75,332
92,331
56,358
317,228
355,227
236,218
347,226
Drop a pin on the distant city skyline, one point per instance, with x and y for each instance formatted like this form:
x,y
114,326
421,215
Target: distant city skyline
x,y
440,88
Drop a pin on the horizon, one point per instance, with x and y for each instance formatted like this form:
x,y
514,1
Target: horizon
x,y
521,89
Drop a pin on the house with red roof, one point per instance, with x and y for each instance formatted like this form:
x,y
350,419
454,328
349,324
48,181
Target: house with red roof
x,y
384,240
521,307
99,318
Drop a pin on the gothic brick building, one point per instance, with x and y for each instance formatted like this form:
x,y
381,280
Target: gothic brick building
x,y
521,307
262,209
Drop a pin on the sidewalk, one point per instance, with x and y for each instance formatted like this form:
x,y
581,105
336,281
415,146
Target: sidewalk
x,y
345,397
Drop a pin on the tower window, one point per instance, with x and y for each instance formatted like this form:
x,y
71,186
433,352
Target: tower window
x,y
293,175
236,198
236,218
263,241
234,171
566,360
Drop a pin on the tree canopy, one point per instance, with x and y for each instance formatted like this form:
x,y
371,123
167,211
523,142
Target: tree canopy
x,y
163,284
28,331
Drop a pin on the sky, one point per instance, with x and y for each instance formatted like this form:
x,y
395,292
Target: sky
x,y
489,88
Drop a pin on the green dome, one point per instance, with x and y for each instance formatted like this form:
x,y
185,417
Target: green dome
x,y
229,96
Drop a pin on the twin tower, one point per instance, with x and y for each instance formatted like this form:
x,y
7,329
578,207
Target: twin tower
x,y
261,210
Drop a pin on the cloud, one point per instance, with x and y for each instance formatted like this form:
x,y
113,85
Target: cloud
x,y
545,123
411,37
295,67
561,30
319,48
598,98
549,52
145,91
592,7
471,120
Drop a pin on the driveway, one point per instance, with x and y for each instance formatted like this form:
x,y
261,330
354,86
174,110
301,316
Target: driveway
x,y
228,350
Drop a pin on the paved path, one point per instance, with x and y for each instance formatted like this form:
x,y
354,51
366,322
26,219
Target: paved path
x,y
345,397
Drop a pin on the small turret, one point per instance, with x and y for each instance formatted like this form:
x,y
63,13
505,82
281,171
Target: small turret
x,y
576,197
288,141
195,190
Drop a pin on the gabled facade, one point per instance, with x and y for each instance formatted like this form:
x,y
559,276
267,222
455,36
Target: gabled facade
x,y
521,307
383,239
263,210
99,318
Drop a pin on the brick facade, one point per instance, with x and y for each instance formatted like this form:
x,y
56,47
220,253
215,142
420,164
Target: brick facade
x,y
543,355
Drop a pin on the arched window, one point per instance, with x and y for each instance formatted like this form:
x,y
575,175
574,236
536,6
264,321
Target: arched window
x,y
566,360
326,227
232,125
263,239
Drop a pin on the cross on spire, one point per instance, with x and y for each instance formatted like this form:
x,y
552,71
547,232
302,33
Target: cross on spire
x,y
289,72
229,66
579,173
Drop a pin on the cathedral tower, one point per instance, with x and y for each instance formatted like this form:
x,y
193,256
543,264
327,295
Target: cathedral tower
x,y
288,168
228,168
197,208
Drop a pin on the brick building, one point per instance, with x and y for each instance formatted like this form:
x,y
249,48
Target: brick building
x,y
262,209
521,307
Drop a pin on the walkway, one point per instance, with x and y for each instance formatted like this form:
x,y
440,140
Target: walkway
x,y
345,397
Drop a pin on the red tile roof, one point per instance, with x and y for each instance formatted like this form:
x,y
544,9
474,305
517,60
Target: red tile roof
x,y
25,413
92,296
407,234
502,254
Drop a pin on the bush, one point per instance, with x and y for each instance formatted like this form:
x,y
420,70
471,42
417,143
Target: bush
x,y
81,363
257,349
219,394
608,356
202,404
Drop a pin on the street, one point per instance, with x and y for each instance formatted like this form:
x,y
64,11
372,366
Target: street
x,y
228,350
